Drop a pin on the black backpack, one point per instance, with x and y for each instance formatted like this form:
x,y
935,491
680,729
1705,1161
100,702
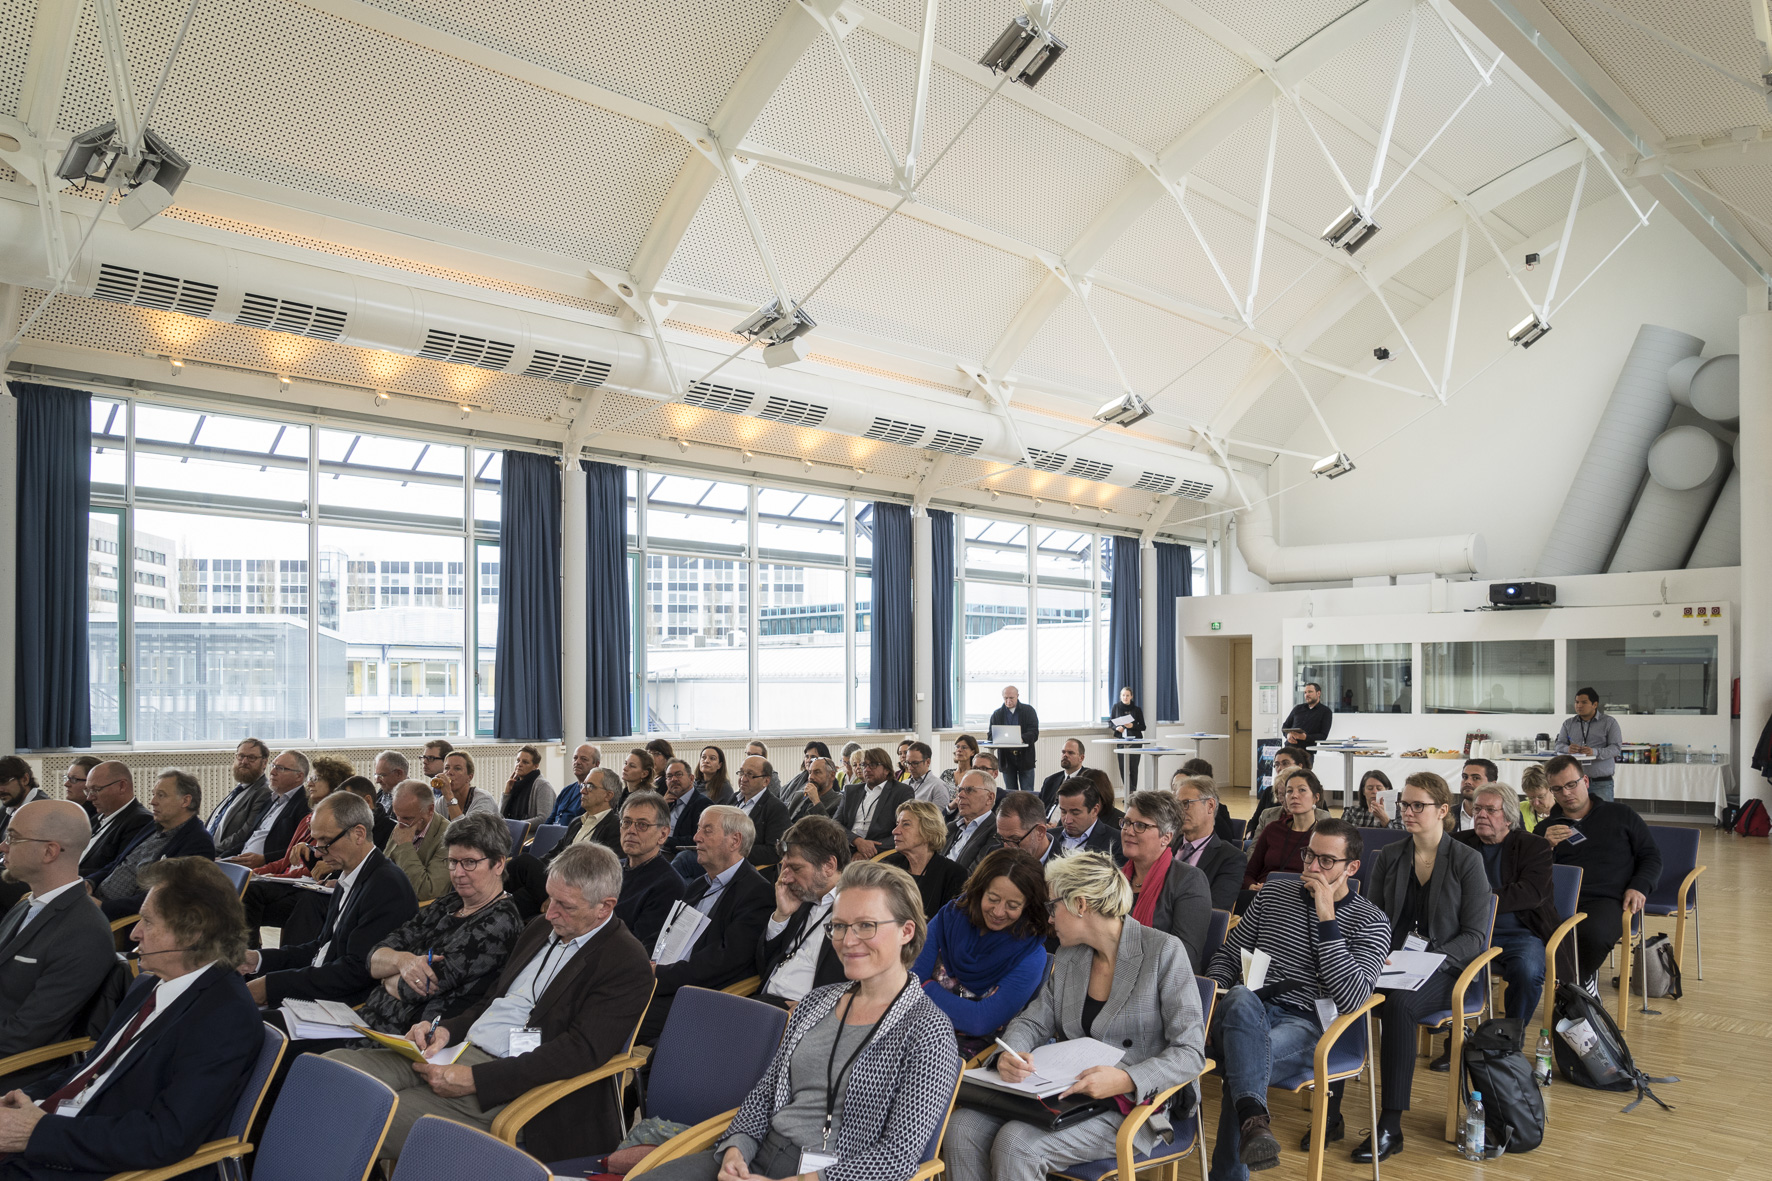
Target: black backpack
x,y
1595,1056
1513,1110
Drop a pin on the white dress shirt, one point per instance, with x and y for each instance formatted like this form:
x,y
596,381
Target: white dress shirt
x,y
165,994
256,842
345,884
510,1012
589,826
792,978
864,815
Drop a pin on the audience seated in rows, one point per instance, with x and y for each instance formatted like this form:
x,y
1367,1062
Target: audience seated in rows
x,y
1319,800
1518,866
870,806
110,790
1198,844
986,952
568,804
893,1095
1070,763
686,805
1021,824
1368,811
167,1070
417,842
818,794
566,1002
443,959
58,972
769,816
1326,945
1287,758
389,771
270,838
918,840
636,775
649,886
1104,955
527,796
795,956
1228,827
965,750
920,776
75,788
460,795
1169,895
176,832
712,779
277,895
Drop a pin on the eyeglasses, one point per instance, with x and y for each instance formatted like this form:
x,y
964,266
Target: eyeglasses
x,y
467,864
1195,800
638,825
9,839
1414,806
1323,860
1489,810
864,930
1016,841
323,845
1136,827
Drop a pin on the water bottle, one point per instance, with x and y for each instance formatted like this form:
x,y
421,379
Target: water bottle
x,y
1542,1070
1474,1128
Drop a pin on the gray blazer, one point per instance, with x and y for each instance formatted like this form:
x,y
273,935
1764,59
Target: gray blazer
x,y
1457,896
54,973
244,813
1152,1011
1184,910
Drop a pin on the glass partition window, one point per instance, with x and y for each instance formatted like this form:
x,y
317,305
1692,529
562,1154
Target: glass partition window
x,y
800,651
216,461
708,515
1646,675
375,477
1356,678
697,641
799,526
104,623
995,634
1489,677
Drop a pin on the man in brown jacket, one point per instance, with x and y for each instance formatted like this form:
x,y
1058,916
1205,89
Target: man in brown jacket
x,y
416,844
569,999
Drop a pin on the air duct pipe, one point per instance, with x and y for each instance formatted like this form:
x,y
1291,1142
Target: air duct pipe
x,y
1451,554
241,285
1606,483
1687,467
1720,543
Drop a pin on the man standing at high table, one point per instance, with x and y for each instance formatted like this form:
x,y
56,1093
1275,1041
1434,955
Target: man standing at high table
x,y
1308,724
1595,738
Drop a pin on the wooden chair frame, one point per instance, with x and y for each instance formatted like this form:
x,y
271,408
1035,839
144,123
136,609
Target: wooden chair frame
x,y
509,1123
1318,1084
42,1054
749,986
1455,1091
229,1147
1564,930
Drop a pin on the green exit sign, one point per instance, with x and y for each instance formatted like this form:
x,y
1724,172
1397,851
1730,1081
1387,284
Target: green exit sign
x,y
1216,625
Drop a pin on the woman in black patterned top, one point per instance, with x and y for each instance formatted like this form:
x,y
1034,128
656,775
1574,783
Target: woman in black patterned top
x,y
442,960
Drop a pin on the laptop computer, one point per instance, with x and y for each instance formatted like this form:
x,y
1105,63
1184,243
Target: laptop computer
x,y
1007,735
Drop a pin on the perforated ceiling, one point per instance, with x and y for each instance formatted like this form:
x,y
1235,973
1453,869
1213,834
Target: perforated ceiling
x,y
15,45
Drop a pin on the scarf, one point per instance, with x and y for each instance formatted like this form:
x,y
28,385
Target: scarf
x,y
1145,909
978,959
517,805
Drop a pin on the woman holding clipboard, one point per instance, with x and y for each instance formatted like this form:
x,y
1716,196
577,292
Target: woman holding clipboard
x,y
1126,720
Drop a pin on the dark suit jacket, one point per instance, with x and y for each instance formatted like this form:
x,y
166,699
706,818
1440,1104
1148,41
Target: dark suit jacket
x,y
586,1015
1525,889
683,835
727,950
189,839
885,812
607,833
283,828
1049,788
130,819
801,807
646,897
173,1090
770,818
1223,864
1457,896
244,813
1103,838
55,975
982,841
381,901
1029,721
771,952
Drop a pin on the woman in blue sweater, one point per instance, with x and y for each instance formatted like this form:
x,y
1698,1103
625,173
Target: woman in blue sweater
x,y
986,953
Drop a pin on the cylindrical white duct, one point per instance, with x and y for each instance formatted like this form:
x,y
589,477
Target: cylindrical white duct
x,y
1669,515
1709,385
237,284
1756,543
1451,554
1600,498
1720,543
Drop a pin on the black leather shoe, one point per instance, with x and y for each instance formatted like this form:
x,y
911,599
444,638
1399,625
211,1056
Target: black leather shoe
x,y
1443,1063
1388,1146
1336,1130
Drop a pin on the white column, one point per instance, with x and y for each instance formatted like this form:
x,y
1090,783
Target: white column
x,y
1756,542
573,523
922,622
1147,609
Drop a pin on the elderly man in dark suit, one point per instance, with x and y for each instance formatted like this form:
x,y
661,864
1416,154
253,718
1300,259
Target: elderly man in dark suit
x,y
372,898
686,806
176,832
178,1051
56,960
110,789
870,808
567,1001
973,831
1199,844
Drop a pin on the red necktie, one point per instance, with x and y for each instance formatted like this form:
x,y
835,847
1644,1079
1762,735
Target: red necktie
x,y
93,1069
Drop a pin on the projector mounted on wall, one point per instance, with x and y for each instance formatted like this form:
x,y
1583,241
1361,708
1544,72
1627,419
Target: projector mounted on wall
x,y
1124,410
1522,594
149,181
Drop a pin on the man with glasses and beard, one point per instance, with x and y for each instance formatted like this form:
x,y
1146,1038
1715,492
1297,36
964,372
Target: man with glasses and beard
x,y
649,886
794,956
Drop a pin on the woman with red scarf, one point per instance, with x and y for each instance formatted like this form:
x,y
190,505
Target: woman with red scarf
x,y
1168,893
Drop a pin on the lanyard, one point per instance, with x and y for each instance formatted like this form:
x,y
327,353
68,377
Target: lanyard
x,y
830,1083
535,986
805,933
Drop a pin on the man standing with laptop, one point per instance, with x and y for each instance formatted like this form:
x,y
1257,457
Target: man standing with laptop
x,y
1015,722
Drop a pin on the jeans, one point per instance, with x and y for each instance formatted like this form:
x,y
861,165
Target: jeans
x,y
1255,1042
1521,964
687,866
1600,787
1022,780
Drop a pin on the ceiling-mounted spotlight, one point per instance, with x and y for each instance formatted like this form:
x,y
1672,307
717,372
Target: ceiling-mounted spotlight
x,y
806,465
1037,503
149,181
995,495
861,471
1103,511
465,409
1381,353
1124,410
1333,466
745,455
1532,260
178,366
682,446
1075,509
776,331
1024,51
283,380
381,397
1529,331
1350,231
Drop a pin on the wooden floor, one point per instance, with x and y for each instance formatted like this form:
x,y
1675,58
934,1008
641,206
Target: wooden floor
x,y
1717,1039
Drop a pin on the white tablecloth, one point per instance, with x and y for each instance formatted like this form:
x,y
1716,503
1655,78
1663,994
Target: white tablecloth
x,y
1684,782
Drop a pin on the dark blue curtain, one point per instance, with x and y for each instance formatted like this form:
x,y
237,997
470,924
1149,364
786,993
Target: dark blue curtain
x,y
890,691
527,699
941,607
54,502
1126,633
609,620
1175,578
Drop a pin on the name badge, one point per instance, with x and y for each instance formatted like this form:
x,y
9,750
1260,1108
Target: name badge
x,y
73,1105
1414,943
812,1162
525,1040
1326,1012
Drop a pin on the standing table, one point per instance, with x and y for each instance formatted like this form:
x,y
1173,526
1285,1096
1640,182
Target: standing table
x,y
1376,749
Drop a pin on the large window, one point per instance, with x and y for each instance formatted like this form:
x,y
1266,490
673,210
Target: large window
x,y
1489,677
293,582
1646,675
1355,678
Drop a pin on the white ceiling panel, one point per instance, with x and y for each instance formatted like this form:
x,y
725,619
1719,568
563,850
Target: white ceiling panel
x,y
1746,189
1276,26
1069,352
16,19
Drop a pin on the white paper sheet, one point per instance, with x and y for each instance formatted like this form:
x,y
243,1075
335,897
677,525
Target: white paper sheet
x,y
1255,968
1056,1066
313,1020
682,928
1408,970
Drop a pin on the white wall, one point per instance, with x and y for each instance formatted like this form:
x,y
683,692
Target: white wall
x,y
1499,458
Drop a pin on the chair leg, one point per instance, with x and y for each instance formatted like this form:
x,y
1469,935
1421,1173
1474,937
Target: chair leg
x,y
1372,1088
1680,940
1643,956
1698,938
1319,1129
1624,953
1453,1090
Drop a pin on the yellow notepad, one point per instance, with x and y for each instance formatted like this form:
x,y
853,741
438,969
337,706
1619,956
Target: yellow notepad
x,y
404,1047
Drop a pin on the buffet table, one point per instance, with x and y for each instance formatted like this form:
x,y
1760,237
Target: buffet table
x,y
1673,782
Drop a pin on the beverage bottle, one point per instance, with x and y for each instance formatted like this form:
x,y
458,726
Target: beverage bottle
x,y
1713,753
1474,1128
1542,1069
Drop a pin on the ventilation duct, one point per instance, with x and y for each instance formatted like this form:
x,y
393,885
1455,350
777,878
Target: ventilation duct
x,y
1451,554
1605,486
1687,467
1720,543
240,284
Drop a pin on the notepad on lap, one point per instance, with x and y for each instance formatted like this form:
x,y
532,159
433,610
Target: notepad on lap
x,y
316,1020
404,1047
1056,1066
683,926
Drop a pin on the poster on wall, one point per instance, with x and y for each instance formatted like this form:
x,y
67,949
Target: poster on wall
x,y
1267,700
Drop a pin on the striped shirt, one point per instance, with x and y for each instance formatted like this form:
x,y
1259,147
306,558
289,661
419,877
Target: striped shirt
x,y
1339,959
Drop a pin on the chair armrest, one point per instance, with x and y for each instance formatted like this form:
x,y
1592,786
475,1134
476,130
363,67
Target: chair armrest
x,y
1320,1059
534,1101
1683,896
934,1168
124,923
749,986
44,1054
1462,984
977,1061
1562,932
1139,1115
211,1153
700,1138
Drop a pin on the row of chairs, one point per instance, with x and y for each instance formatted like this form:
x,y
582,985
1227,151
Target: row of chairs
x,y
536,839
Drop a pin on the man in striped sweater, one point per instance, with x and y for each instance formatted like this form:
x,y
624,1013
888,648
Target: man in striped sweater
x,y
1326,946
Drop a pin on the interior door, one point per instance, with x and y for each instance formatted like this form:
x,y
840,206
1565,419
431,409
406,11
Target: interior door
x,y
1242,713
